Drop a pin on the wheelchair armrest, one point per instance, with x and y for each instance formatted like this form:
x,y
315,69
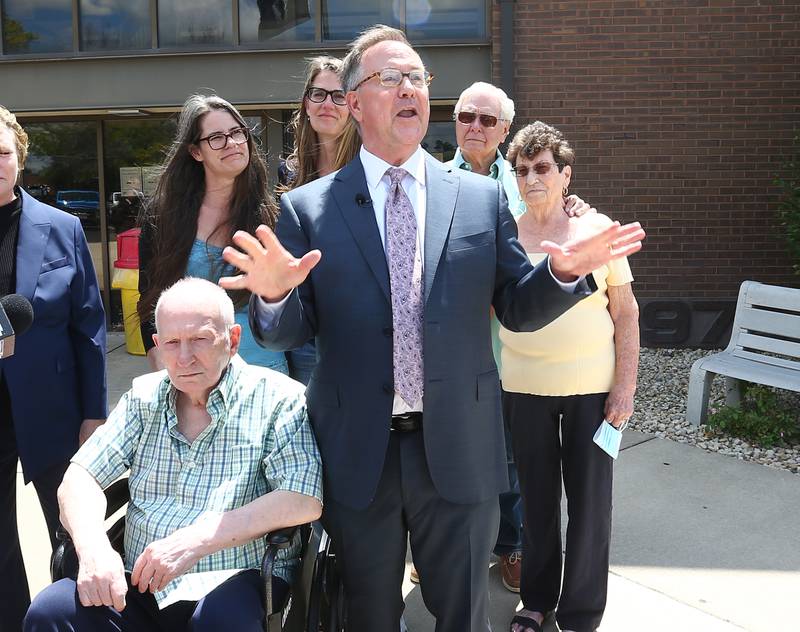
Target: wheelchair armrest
x,y
276,540
64,561
282,538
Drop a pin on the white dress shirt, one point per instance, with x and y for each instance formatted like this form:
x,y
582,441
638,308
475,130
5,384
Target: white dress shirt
x,y
378,182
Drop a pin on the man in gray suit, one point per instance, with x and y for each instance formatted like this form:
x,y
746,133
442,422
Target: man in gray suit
x,y
392,263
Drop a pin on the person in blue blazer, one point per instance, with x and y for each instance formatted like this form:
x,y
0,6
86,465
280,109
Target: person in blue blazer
x,y
53,388
392,263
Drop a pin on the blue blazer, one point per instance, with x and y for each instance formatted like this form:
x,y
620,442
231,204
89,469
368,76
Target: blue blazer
x,y
56,377
472,261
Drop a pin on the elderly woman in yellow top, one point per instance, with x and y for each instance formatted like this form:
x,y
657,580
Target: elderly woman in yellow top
x,y
559,384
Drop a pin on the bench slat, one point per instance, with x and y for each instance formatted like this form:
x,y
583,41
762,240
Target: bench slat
x,y
770,345
773,296
768,361
752,371
769,322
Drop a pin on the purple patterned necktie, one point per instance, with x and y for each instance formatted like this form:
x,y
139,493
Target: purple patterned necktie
x,y
405,276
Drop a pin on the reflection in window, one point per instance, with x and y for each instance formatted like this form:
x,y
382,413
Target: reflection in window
x,y
282,20
115,24
344,19
445,19
61,170
37,26
195,23
440,140
133,152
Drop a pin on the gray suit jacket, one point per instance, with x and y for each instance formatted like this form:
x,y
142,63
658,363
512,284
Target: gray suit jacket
x,y
472,261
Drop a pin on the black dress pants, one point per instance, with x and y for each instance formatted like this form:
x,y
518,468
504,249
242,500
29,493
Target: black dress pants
x,y
14,593
552,436
450,542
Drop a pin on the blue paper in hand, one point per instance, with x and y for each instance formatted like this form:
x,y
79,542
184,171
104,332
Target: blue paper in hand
x,y
608,438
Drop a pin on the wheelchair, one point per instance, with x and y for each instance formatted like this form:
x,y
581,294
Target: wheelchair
x,y
315,600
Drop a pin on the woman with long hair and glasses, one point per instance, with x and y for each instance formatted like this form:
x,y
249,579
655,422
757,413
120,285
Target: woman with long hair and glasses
x,y
214,182
325,140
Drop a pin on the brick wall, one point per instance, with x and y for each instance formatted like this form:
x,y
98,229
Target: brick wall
x,y
681,114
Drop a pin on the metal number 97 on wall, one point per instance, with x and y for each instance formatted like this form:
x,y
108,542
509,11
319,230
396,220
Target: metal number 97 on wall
x,y
676,323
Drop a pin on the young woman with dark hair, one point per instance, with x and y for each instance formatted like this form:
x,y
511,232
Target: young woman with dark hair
x,y
214,182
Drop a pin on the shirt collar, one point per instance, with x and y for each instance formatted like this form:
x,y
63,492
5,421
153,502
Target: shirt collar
x,y
375,168
495,170
221,393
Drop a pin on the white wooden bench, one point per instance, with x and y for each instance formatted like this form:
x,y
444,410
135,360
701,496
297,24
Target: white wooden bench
x,y
764,348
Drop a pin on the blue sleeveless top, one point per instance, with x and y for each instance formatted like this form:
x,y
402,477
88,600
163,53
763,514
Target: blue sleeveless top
x,y
206,262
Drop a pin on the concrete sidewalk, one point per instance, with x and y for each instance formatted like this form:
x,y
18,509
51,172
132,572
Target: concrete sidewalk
x,y
701,542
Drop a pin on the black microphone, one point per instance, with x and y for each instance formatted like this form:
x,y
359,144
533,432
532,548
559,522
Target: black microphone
x,y
362,200
16,317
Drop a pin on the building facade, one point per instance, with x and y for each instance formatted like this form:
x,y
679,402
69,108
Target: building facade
x,y
681,113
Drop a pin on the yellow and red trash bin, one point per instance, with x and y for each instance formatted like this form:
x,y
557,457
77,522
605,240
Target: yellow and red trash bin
x,y
126,280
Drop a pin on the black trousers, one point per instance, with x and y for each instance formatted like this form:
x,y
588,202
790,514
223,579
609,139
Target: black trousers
x,y
552,436
450,542
14,593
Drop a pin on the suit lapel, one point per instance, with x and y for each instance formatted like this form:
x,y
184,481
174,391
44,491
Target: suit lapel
x,y
442,190
360,219
34,229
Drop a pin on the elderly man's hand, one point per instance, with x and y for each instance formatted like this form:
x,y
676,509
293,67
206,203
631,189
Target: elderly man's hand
x,y
269,270
168,558
101,577
576,207
583,254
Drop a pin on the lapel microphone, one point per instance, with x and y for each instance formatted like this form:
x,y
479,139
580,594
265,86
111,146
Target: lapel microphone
x,y
362,200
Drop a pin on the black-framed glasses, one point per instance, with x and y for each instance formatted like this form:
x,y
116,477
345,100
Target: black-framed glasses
x,y
540,169
392,77
468,118
318,95
219,140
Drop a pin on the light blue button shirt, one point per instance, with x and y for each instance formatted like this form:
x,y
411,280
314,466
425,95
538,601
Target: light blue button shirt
x,y
499,170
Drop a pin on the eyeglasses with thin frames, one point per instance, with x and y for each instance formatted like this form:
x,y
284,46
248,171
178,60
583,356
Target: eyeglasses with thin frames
x,y
392,77
468,118
540,169
219,140
318,95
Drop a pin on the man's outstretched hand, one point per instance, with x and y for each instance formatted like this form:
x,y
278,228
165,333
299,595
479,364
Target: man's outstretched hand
x,y
581,255
268,269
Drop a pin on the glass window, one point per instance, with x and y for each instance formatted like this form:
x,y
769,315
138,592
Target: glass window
x,y
344,19
183,23
61,170
440,141
133,153
37,26
445,19
115,24
281,20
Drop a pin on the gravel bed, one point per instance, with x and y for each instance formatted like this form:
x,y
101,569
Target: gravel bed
x,y
660,409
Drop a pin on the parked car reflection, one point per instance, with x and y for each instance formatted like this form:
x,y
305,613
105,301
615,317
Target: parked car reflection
x,y
84,205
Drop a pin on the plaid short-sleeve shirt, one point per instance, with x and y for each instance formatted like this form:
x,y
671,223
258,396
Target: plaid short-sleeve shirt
x,y
259,440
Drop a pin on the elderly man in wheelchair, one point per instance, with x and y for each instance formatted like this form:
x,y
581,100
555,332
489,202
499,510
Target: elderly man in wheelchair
x,y
220,453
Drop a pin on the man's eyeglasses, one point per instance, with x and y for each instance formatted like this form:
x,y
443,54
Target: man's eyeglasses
x,y
467,118
219,140
318,95
540,169
391,78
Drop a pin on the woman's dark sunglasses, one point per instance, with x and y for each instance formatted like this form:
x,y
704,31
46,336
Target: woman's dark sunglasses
x,y
318,95
487,120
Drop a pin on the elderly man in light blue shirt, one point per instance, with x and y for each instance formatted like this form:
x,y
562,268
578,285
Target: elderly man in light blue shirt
x,y
483,117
